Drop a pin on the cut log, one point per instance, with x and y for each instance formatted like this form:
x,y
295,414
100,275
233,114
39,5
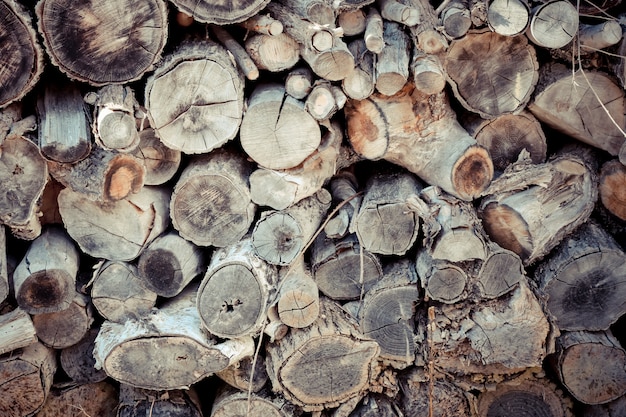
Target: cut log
x,y
22,62
385,224
273,52
236,291
241,57
553,24
582,280
25,379
359,84
298,302
137,402
548,202
343,187
478,12
456,19
428,73
247,374
118,293
161,162
508,17
425,397
392,65
211,203
103,175
211,11
342,269
169,263
4,273
506,135
114,117
119,230
77,361
398,11
263,23
611,188
97,399
352,21
64,132
279,237
427,36
102,43
373,35
442,280
599,36
195,98
276,130
61,329
233,403
321,103
166,350
16,331
314,351
280,189
45,279
499,273
387,314
298,82
24,173
590,366
426,140
315,11
492,74
593,112
531,397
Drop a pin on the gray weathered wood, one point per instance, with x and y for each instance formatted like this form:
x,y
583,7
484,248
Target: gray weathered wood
x,y
77,361
64,328
137,402
16,331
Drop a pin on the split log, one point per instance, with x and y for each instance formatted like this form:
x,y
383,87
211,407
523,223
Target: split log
x,y
262,23
97,399
342,269
169,263
24,172
211,11
392,65
77,361
45,279
582,280
343,187
232,403
16,331
26,378
506,135
239,54
492,74
103,175
247,374
456,19
442,280
298,303
426,140
590,366
352,21
373,35
276,130
64,133
398,11
103,43
508,17
236,291
195,98
594,116
387,314
423,396
161,162
298,82
385,224
166,350
553,24
313,351
611,188
532,397
211,203
119,230
137,402
22,56
114,117
540,205
118,294
273,52
61,329
4,273
280,236
360,83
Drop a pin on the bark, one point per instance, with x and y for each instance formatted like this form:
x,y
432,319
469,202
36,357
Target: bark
x,y
137,402
92,399
236,291
442,280
553,24
599,36
195,98
376,405
397,11
508,18
426,34
611,186
117,43
166,350
45,279
343,187
373,35
292,360
64,133
23,60
426,140
428,74
61,329
26,378
169,263
161,162
211,203
210,11
243,60
298,303
119,230
4,273
392,65
77,360
315,11
16,331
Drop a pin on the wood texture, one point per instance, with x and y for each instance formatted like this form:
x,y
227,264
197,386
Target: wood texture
x,y
64,328
96,399
77,360
16,331
137,402
209,11
160,161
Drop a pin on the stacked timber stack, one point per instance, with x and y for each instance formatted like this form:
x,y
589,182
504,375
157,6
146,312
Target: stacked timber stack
x,y
311,208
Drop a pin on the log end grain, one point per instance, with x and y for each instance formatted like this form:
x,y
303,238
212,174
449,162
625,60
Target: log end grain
x,y
472,172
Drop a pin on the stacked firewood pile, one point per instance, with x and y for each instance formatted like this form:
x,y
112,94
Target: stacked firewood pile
x,y
304,207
